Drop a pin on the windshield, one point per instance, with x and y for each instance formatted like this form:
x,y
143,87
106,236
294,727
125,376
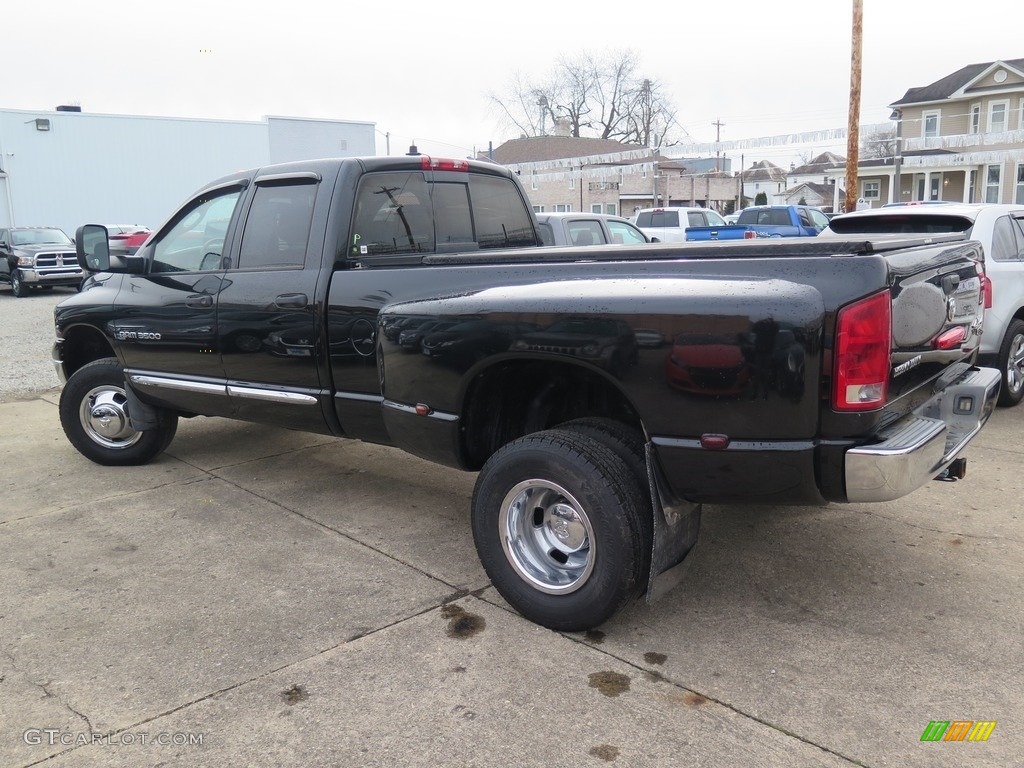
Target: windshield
x,y
41,236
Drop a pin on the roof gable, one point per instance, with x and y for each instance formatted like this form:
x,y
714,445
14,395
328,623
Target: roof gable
x,y
826,161
956,83
534,149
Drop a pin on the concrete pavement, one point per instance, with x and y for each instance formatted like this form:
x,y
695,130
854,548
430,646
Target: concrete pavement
x,y
265,597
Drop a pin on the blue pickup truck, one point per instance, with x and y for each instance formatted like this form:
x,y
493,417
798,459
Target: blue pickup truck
x,y
766,221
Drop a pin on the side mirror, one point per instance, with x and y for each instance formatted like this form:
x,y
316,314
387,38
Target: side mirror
x,y
93,248
92,245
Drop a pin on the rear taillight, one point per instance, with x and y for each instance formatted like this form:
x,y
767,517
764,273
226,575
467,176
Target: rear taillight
x,y
986,285
750,235
862,347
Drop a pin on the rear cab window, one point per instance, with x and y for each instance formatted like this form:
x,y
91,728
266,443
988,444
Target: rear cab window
x,y
401,212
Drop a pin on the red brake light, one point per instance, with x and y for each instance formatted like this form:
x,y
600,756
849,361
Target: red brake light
x,y
986,291
428,163
750,235
862,348
950,339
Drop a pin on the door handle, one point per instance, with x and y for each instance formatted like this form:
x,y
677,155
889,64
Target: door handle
x,y
291,301
199,300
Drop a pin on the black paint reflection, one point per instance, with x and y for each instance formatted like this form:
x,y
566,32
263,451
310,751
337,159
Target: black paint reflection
x,y
769,358
470,341
606,342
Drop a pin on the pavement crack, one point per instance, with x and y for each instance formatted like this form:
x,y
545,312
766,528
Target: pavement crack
x,y
941,531
346,536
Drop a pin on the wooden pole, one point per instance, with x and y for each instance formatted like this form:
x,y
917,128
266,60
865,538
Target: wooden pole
x,y
853,126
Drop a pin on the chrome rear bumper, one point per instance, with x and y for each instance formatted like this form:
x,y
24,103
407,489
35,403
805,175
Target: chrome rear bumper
x,y
921,445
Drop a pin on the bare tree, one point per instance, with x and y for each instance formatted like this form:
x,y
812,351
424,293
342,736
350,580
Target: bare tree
x,y
879,144
601,97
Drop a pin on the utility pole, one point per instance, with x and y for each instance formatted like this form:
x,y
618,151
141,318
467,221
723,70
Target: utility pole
x,y
853,131
718,140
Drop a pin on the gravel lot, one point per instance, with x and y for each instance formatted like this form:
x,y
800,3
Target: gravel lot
x,y
26,336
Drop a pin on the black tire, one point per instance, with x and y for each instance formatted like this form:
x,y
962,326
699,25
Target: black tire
x,y
625,441
560,528
1011,365
18,287
94,415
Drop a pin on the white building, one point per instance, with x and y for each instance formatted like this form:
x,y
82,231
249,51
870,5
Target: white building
x,y
67,168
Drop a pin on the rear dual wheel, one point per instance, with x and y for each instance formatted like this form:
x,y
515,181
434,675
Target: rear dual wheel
x,y
562,526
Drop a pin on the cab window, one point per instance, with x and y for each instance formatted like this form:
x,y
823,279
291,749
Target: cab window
x,y
393,216
277,226
195,241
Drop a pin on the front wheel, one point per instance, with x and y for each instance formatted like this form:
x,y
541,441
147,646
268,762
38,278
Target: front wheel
x,y
18,287
94,414
1011,363
558,525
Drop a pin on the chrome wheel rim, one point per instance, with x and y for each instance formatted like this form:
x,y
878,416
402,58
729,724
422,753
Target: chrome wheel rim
x,y
547,536
104,417
1015,365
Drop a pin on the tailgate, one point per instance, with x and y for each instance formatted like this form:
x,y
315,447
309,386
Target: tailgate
x,y
937,315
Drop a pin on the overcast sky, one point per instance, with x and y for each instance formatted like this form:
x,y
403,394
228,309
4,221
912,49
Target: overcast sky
x,y
425,71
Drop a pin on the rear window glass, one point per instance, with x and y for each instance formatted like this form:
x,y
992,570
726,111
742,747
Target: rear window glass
x,y
393,215
403,213
501,218
883,224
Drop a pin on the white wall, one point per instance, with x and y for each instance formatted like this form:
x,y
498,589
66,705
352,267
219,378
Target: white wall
x,y
117,169
293,138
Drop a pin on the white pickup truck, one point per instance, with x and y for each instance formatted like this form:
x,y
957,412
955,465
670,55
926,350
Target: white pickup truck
x,y
1000,229
668,224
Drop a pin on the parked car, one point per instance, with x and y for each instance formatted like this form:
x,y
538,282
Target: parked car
x,y
127,237
33,258
1000,229
575,228
669,224
766,221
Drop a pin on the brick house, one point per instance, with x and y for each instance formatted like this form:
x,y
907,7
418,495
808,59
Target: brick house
x,y
566,173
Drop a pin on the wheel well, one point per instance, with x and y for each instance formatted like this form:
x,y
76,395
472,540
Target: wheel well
x,y
515,398
81,346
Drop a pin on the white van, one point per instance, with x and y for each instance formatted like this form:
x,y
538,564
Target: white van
x,y
668,224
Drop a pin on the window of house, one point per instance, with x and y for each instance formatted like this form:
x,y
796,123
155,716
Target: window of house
x,y
972,196
595,208
1018,195
538,209
975,121
872,190
562,208
643,171
611,209
572,179
993,176
997,116
1020,116
929,124
533,180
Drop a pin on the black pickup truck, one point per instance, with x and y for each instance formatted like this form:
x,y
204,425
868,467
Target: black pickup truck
x,y
601,393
